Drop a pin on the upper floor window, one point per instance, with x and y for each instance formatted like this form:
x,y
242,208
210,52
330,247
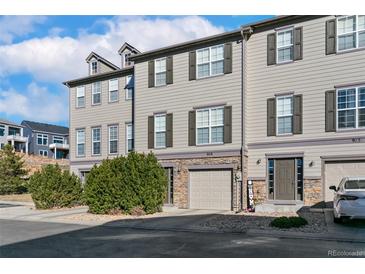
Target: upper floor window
x,y
58,140
160,72
210,61
126,60
113,139
80,97
160,130
129,134
350,32
113,90
94,67
80,142
284,114
42,139
14,131
2,130
96,93
284,45
351,108
129,88
96,140
210,125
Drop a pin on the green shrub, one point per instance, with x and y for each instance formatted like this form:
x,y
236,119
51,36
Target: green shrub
x,y
12,172
136,183
288,222
52,187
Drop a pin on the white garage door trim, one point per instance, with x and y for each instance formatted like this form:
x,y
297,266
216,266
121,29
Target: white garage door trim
x,y
194,170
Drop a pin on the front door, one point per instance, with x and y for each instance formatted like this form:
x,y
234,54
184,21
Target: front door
x,y
285,179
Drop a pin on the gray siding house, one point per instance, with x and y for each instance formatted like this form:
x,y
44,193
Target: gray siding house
x,y
47,140
13,134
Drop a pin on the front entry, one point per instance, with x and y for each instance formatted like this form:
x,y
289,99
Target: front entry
x,y
285,182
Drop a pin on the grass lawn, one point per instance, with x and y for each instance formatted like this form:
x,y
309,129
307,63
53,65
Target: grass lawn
x,y
17,197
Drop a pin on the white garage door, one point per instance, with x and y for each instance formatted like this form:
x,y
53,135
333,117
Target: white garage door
x,y
211,189
334,172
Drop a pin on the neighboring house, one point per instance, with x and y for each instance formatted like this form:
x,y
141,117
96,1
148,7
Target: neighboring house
x,y
47,140
279,103
12,133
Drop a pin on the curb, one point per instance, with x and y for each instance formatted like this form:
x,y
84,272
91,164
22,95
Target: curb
x,y
17,203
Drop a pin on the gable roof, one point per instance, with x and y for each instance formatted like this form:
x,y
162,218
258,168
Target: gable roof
x,y
101,59
7,122
35,126
130,47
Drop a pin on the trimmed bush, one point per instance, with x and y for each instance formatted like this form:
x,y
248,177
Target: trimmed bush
x,y
135,184
288,222
51,187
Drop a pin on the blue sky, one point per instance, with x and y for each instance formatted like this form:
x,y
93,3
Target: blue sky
x,y
38,53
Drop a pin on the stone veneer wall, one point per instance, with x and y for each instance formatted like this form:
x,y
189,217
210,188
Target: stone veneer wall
x,y
312,191
181,177
34,163
259,192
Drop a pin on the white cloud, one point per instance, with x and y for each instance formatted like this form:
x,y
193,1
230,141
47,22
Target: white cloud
x,y
13,26
56,59
36,103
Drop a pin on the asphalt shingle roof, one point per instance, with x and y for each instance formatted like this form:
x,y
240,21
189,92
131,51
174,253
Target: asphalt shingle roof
x,y
46,127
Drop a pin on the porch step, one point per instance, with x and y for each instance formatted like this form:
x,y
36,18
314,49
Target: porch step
x,y
272,207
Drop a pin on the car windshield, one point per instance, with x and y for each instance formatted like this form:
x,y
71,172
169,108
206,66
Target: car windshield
x,y
355,184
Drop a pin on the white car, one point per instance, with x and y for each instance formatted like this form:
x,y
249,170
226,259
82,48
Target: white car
x,y
349,200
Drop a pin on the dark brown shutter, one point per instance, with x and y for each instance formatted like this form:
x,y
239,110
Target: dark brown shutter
x,y
151,132
330,110
227,124
151,74
192,138
271,117
227,58
298,114
298,43
192,65
169,130
169,68
271,49
331,36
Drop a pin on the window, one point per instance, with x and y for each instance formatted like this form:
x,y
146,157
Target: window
x,y
96,93
285,45
80,142
113,139
58,140
14,131
351,108
160,131
210,126
210,61
129,88
160,72
2,130
129,133
43,153
113,90
350,32
94,67
80,97
284,114
42,139
96,140
126,61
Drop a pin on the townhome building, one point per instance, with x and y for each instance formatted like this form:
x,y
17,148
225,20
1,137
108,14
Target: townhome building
x,y
12,133
305,106
47,140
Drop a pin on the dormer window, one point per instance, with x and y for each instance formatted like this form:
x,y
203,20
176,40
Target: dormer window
x,y
127,62
94,67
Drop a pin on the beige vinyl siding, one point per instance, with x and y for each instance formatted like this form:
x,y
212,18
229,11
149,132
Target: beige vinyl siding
x,y
99,115
103,68
181,96
310,77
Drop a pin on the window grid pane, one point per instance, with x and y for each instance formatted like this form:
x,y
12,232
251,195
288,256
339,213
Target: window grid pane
x,y
160,131
210,126
210,61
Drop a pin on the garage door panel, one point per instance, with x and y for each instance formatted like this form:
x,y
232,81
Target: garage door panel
x,y
211,189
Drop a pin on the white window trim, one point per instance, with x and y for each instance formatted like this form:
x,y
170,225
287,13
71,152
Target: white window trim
x,y
356,31
126,136
41,152
285,46
43,136
79,143
93,93
117,90
209,62
287,115
109,140
356,108
93,141
127,89
77,97
209,126
59,137
164,71
91,67
155,131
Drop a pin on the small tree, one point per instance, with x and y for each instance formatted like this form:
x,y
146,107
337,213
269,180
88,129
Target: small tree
x,y
11,171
